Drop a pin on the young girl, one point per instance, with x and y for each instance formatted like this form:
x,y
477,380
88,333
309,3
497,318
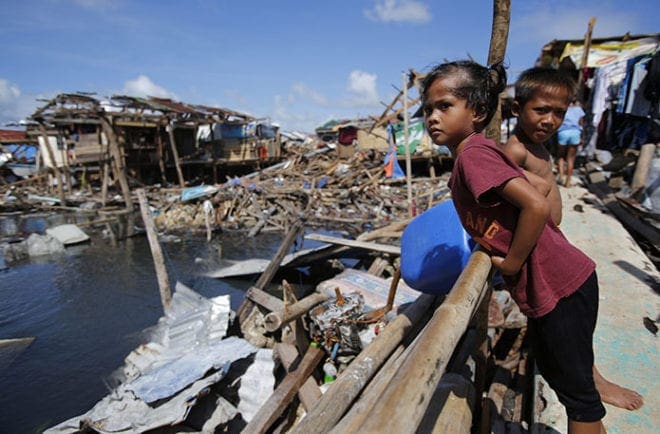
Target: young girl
x,y
504,213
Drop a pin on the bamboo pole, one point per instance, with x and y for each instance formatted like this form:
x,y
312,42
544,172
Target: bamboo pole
x,y
334,403
585,58
406,139
156,252
360,410
403,404
498,40
455,396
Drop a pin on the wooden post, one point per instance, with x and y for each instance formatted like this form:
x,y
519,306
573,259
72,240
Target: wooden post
x,y
156,252
175,154
585,58
51,156
161,156
403,403
213,157
406,139
481,352
334,403
103,166
642,169
65,162
118,161
285,392
498,40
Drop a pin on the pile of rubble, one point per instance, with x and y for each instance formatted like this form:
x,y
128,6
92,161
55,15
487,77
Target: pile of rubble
x,y
326,191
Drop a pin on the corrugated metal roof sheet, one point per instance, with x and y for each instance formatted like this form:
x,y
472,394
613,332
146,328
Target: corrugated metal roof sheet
x,y
188,343
14,136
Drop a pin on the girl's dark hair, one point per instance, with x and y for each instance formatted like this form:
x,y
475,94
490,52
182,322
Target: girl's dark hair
x,y
479,85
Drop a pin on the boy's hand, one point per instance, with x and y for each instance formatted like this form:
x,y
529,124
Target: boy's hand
x,y
505,267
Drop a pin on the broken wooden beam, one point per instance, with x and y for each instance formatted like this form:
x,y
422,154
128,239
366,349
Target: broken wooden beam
x,y
383,248
275,319
285,392
156,252
309,393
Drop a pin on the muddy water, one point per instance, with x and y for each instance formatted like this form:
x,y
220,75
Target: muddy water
x,y
87,311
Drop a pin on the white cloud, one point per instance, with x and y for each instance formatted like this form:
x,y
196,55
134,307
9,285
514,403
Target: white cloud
x,y
9,92
143,86
292,120
14,105
362,89
308,94
409,11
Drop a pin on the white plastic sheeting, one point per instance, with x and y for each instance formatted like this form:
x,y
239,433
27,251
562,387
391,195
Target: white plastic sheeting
x,y
68,234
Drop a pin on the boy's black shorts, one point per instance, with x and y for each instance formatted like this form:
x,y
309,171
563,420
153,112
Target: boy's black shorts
x,y
562,342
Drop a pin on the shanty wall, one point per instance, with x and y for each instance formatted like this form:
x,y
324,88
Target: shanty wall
x,y
58,154
377,139
88,149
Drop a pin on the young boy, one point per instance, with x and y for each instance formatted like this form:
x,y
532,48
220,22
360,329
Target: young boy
x,y
541,101
510,218
542,97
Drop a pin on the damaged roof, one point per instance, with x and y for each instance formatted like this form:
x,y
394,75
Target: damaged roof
x,y
14,137
554,50
72,107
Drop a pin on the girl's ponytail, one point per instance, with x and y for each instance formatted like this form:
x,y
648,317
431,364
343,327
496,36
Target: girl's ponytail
x,y
497,78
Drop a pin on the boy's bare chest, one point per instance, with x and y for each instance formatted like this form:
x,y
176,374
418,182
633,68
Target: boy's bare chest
x,y
538,161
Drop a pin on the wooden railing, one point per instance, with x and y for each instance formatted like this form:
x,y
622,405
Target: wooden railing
x,y
389,386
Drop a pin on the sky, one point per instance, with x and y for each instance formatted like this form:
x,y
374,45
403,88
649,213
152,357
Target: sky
x,y
298,63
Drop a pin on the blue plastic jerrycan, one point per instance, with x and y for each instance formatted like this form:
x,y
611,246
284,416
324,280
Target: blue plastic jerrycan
x,y
434,250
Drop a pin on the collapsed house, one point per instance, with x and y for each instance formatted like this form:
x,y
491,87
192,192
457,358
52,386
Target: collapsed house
x,y
389,132
154,140
17,156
